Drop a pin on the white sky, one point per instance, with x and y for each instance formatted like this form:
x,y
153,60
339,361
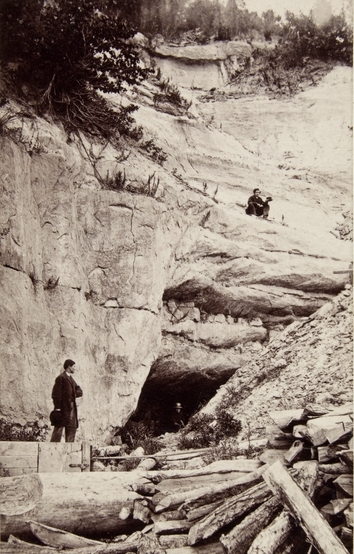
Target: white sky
x,y
295,6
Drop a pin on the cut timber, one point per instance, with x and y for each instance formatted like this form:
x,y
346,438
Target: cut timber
x,y
283,418
212,548
172,527
339,505
83,503
198,513
174,500
20,494
348,514
57,538
170,486
146,489
339,432
347,457
294,451
334,469
242,535
20,547
173,541
230,510
276,438
327,422
219,467
270,456
270,538
147,463
303,510
329,452
142,511
344,483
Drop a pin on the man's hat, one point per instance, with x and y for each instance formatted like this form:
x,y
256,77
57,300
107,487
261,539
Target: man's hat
x,y
178,405
56,418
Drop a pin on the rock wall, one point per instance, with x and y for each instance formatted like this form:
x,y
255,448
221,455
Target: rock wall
x,y
181,284
82,276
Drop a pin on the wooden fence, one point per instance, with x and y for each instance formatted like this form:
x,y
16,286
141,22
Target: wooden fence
x,y
17,458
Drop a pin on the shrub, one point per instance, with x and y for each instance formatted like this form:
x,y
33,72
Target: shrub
x,y
204,430
62,54
139,433
171,93
155,152
16,432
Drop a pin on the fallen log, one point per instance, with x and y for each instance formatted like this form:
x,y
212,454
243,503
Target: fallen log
x,y
197,513
163,502
270,538
230,510
50,536
303,510
171,486
242,535
344,484
172,527
66,501
141,511
333,469
218,467
22,547
173,541
212,548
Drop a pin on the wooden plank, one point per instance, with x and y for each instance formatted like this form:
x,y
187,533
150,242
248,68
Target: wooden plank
x,y
57,457
18,461
172,527
86,456
73,459
18,448
12,471
303,509
168,486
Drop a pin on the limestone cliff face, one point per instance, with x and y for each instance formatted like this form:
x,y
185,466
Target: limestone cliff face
x,y
181,284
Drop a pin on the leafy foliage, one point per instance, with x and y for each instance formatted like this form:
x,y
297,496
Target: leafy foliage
x,y
62,53
16,432
204,430
303,37
139,433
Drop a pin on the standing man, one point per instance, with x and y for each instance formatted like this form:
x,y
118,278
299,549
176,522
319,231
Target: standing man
x,y
65,392
257,206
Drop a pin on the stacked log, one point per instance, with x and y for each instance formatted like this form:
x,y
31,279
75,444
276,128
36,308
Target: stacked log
x,y
296,496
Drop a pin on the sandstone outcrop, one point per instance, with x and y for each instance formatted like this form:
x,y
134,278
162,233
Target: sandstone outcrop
x,y
309,363
181,282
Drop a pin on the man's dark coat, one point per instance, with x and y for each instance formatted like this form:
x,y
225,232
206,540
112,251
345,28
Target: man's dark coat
x,y
65,392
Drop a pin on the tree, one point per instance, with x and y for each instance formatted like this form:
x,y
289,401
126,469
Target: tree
x,y
65,52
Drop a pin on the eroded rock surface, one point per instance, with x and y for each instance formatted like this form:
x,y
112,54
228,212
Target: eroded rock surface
x,y
181,282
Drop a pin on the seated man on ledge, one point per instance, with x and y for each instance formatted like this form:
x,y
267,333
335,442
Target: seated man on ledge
x,y
257,206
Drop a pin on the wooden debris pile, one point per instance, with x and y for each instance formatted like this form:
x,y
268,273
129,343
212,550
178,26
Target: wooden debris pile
x,y
296,498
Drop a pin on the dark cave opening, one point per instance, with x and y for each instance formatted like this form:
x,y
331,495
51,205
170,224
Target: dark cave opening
x,y
157,402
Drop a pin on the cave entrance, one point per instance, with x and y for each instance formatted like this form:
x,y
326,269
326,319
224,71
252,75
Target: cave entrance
x,y
157,401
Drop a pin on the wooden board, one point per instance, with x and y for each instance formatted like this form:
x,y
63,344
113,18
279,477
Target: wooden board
x,y
56,457
14,448
18,458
